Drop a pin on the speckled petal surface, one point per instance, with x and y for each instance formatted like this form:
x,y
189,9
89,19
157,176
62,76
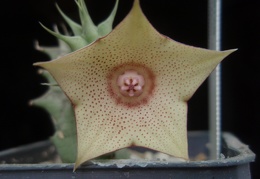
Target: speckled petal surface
x,y
108,121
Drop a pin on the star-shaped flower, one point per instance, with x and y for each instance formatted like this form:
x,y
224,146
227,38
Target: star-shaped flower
x,y
131,88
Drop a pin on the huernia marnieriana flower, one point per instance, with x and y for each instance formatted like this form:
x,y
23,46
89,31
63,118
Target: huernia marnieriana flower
x,y
131,87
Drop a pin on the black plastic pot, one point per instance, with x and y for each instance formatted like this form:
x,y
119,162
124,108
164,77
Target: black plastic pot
x,y
234,164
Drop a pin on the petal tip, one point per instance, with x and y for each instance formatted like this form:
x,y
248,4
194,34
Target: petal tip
x,y
40,64
232,50
76,165
37,64
228,52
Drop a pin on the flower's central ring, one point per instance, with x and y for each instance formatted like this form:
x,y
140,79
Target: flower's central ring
x,y
131,84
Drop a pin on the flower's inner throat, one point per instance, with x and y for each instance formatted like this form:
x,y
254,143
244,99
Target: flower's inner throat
x,y
131,83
